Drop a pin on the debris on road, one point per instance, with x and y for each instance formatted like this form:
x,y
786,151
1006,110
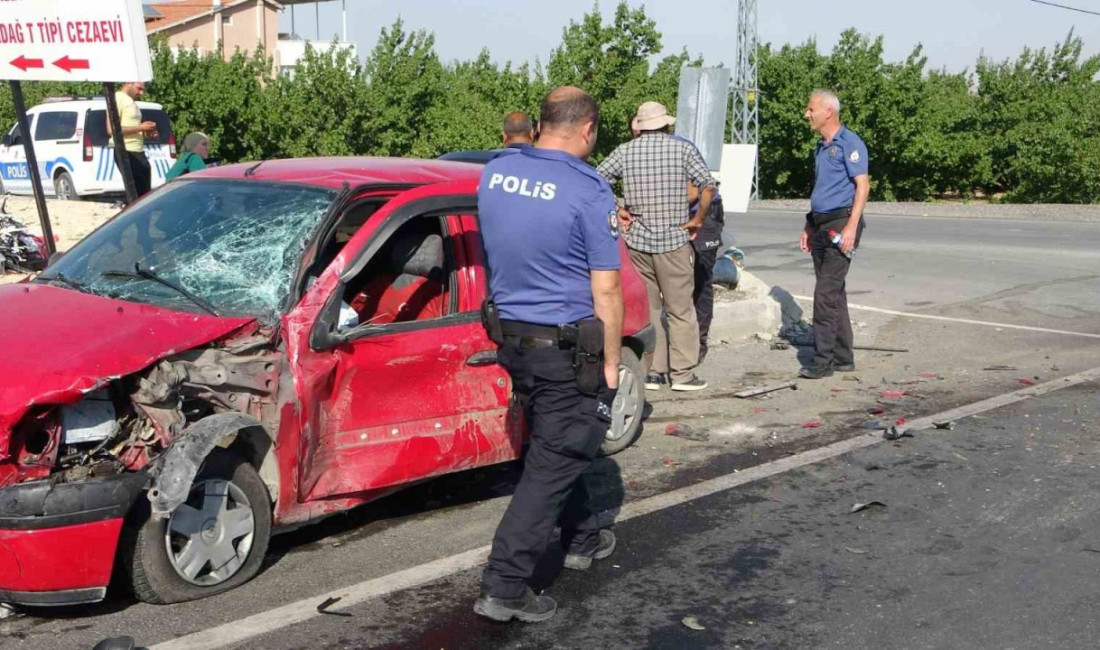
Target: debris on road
x,y
686,432
872,424
856,551
899,430
944,424
876,410
931,375
323,608
859,507
692,623
1026,381
892,394
753,392
669,462
781,345
850,378
1000,367
812,424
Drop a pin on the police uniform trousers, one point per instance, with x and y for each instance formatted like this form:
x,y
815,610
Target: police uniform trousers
x,y
554,489
705,258
832,324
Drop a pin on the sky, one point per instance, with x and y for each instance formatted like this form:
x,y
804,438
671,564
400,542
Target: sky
x,y
953,32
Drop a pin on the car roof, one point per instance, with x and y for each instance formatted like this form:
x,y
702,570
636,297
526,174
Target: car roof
x,y
334,172
84,104
479,156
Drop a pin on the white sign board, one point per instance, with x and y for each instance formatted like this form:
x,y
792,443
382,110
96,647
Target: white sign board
x,y
73,40
738,167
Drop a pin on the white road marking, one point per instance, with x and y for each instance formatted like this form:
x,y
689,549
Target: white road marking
x,y
967,321
305,609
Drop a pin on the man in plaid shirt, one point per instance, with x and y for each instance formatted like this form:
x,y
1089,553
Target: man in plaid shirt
x,y
654,170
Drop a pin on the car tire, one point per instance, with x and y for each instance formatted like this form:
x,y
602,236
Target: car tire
x,y
64,188
629,408
154,553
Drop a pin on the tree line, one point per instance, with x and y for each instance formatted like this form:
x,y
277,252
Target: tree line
x,y
1022,130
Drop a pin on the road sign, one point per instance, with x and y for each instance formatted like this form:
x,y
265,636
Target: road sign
x,y
73,40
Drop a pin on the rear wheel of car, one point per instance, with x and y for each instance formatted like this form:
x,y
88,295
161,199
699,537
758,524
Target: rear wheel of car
x,y
629,407
213,542
64,188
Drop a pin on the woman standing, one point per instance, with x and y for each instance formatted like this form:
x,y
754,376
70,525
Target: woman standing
x,y
193,155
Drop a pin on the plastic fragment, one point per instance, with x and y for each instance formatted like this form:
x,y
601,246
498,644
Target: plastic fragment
x,y
812,424
692,623
863,506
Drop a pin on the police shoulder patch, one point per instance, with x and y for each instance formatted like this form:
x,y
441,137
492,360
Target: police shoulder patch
x,y
613,222
854,156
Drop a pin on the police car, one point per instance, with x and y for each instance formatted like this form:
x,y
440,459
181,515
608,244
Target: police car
x,y
71,143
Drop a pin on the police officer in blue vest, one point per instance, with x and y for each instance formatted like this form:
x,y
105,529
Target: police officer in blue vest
x,y
549,225
841,187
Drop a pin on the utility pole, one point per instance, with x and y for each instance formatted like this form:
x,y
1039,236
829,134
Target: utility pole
x,y
746,106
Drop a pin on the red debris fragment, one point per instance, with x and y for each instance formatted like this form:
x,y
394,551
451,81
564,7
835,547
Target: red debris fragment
x,y
930,375
892,394
876,410
760,409
670,462
901,422
812,424
837,390
1026,381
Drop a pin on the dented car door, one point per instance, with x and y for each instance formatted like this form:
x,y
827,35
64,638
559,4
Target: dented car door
x,y
404,379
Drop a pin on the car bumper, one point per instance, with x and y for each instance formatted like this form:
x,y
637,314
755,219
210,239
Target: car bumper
x,y
58,542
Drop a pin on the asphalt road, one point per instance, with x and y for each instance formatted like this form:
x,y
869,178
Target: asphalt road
x,y
750,570
987,536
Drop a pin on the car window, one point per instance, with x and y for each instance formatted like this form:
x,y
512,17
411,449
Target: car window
x,y
407,279
96,126
55,125
235,244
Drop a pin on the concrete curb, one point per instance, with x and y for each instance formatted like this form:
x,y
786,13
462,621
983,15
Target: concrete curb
x,y
753,311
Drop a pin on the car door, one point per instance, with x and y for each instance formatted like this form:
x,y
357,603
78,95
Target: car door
x,y
398,398
13,161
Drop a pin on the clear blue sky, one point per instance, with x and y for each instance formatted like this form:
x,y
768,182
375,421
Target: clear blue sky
x,y
953,31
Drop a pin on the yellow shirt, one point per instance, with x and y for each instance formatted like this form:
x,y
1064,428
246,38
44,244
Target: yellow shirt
x,y
130,115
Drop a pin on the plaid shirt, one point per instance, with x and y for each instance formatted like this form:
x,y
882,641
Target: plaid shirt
x,y
655,170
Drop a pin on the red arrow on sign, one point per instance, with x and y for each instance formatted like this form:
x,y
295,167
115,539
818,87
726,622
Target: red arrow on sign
x,y
23,63
68,65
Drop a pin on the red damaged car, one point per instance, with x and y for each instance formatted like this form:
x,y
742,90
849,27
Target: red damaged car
x,y
249,348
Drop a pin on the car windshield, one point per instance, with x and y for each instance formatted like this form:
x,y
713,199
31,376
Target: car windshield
x,y
234,246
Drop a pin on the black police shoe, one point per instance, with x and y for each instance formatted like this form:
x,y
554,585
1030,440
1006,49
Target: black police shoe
x,y
844,367
606,547
529,608
815,371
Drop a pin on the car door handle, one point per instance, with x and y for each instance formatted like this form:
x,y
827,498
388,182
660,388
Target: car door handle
x,y
483,358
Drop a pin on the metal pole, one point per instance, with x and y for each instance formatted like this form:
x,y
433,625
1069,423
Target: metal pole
x,y
317,17
344,18
32,165
293,33
121,158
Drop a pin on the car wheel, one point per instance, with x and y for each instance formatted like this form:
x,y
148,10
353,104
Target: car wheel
x,y
211,543
64,188
629,407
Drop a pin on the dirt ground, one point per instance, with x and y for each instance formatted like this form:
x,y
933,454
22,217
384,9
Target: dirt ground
x,y
71,221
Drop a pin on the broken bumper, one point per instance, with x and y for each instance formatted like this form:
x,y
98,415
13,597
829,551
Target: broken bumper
x,y
58,541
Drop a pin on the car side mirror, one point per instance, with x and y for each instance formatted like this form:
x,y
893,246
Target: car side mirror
x,y
7,140
324,335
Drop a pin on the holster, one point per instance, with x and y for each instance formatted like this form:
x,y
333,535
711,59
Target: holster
x,y
588,355
490,320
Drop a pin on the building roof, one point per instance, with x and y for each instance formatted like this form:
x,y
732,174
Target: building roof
x,y
172,14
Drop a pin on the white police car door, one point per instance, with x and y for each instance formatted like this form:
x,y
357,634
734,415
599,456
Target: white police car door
x,y
14,174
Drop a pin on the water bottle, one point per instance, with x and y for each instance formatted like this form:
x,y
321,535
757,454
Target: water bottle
x,y
836,238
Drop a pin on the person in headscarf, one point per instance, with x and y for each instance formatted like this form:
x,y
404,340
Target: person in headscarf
x,y
192,157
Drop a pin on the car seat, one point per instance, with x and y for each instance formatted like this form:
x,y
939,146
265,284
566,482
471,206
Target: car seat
x,y
411,285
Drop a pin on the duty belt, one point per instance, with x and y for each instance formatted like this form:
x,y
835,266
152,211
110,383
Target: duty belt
x,y
818,219
530,335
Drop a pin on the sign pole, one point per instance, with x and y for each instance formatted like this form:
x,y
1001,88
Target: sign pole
x,y
32,165
121,157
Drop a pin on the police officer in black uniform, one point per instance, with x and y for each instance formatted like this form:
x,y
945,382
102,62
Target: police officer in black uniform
x,y
549,225
841,187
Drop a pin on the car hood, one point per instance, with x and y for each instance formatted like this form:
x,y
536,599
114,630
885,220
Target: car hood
x,y
57,344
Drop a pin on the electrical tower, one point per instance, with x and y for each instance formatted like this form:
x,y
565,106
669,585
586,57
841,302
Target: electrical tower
x,y
746,107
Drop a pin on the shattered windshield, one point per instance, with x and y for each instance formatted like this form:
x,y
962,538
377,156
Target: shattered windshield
x,y
232,247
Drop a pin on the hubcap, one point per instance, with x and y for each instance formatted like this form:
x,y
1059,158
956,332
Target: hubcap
x,y
625,407
65,190
210,535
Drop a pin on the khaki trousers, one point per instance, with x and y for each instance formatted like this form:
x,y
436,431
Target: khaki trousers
x,y
670,282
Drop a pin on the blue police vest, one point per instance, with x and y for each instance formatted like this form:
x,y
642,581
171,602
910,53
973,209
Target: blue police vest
x,y
547,220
